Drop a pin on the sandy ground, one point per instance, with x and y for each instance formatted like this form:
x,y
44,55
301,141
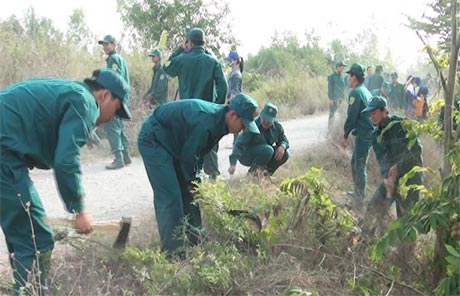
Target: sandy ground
x,y
127,192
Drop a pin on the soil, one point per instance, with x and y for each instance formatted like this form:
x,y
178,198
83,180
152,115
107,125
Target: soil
x,y
127,192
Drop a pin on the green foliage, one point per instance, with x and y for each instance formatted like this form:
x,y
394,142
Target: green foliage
x,y
150,17
297,291
436,23
432,213
312,201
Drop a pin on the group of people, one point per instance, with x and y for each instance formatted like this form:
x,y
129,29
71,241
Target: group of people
x,y
409,97
368,119
46,122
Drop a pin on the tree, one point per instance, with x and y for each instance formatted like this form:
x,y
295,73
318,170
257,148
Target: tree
x,y
149,18
442,25
78,32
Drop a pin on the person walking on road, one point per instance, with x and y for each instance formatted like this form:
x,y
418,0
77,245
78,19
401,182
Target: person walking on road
x,y
158,91
200,76
171,142
266,151
336,86
115,129
43,124
358,124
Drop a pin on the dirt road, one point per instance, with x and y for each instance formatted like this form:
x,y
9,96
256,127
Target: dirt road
x,y
127,192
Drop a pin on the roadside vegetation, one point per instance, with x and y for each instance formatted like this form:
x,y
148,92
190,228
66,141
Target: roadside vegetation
x,y
296,234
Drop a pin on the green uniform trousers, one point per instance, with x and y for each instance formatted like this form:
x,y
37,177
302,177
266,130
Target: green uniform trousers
x,y
359,166
262,157
116,134
172,197
379,203
22,221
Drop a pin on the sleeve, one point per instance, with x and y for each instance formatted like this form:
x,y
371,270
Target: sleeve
x,y
282,139
113,64
329,88
161,84
170,66
354,104
407,159
239,147
221,84
74,132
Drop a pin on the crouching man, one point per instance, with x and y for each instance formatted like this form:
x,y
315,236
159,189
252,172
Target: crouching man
x,y
266,150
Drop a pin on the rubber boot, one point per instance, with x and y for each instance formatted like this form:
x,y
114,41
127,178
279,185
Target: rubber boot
x,y
126,157
117,163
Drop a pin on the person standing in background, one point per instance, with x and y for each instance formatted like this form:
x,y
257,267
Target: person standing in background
x,y
200,76
235,80
158,91
336,86
115,129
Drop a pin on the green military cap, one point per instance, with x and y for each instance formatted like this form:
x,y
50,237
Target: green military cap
x,y
113,81
269,112
375,103
356,69
340,64
379,68
195,34
155,53
246,108
107,39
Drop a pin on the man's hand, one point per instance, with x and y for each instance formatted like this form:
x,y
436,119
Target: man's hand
x,y
344,142
390,181
231,169
279,153
83,223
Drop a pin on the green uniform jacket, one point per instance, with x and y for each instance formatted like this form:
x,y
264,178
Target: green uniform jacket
x,y
397,97
273,136
235,83
187,129
44,123
200,75
336,86
118,63
394,147
159,88
358,123
375,82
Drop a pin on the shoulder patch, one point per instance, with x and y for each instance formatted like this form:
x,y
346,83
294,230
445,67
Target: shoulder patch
x,y
351,101
114,67
162,76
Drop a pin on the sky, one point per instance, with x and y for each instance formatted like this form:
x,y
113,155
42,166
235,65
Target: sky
x,y
256,21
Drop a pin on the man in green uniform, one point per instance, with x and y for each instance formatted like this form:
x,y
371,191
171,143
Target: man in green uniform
x,y
396,157
115,129
158,92
265,151
336,86
396,95
201,77
358,124
376,81
171,142
43,124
